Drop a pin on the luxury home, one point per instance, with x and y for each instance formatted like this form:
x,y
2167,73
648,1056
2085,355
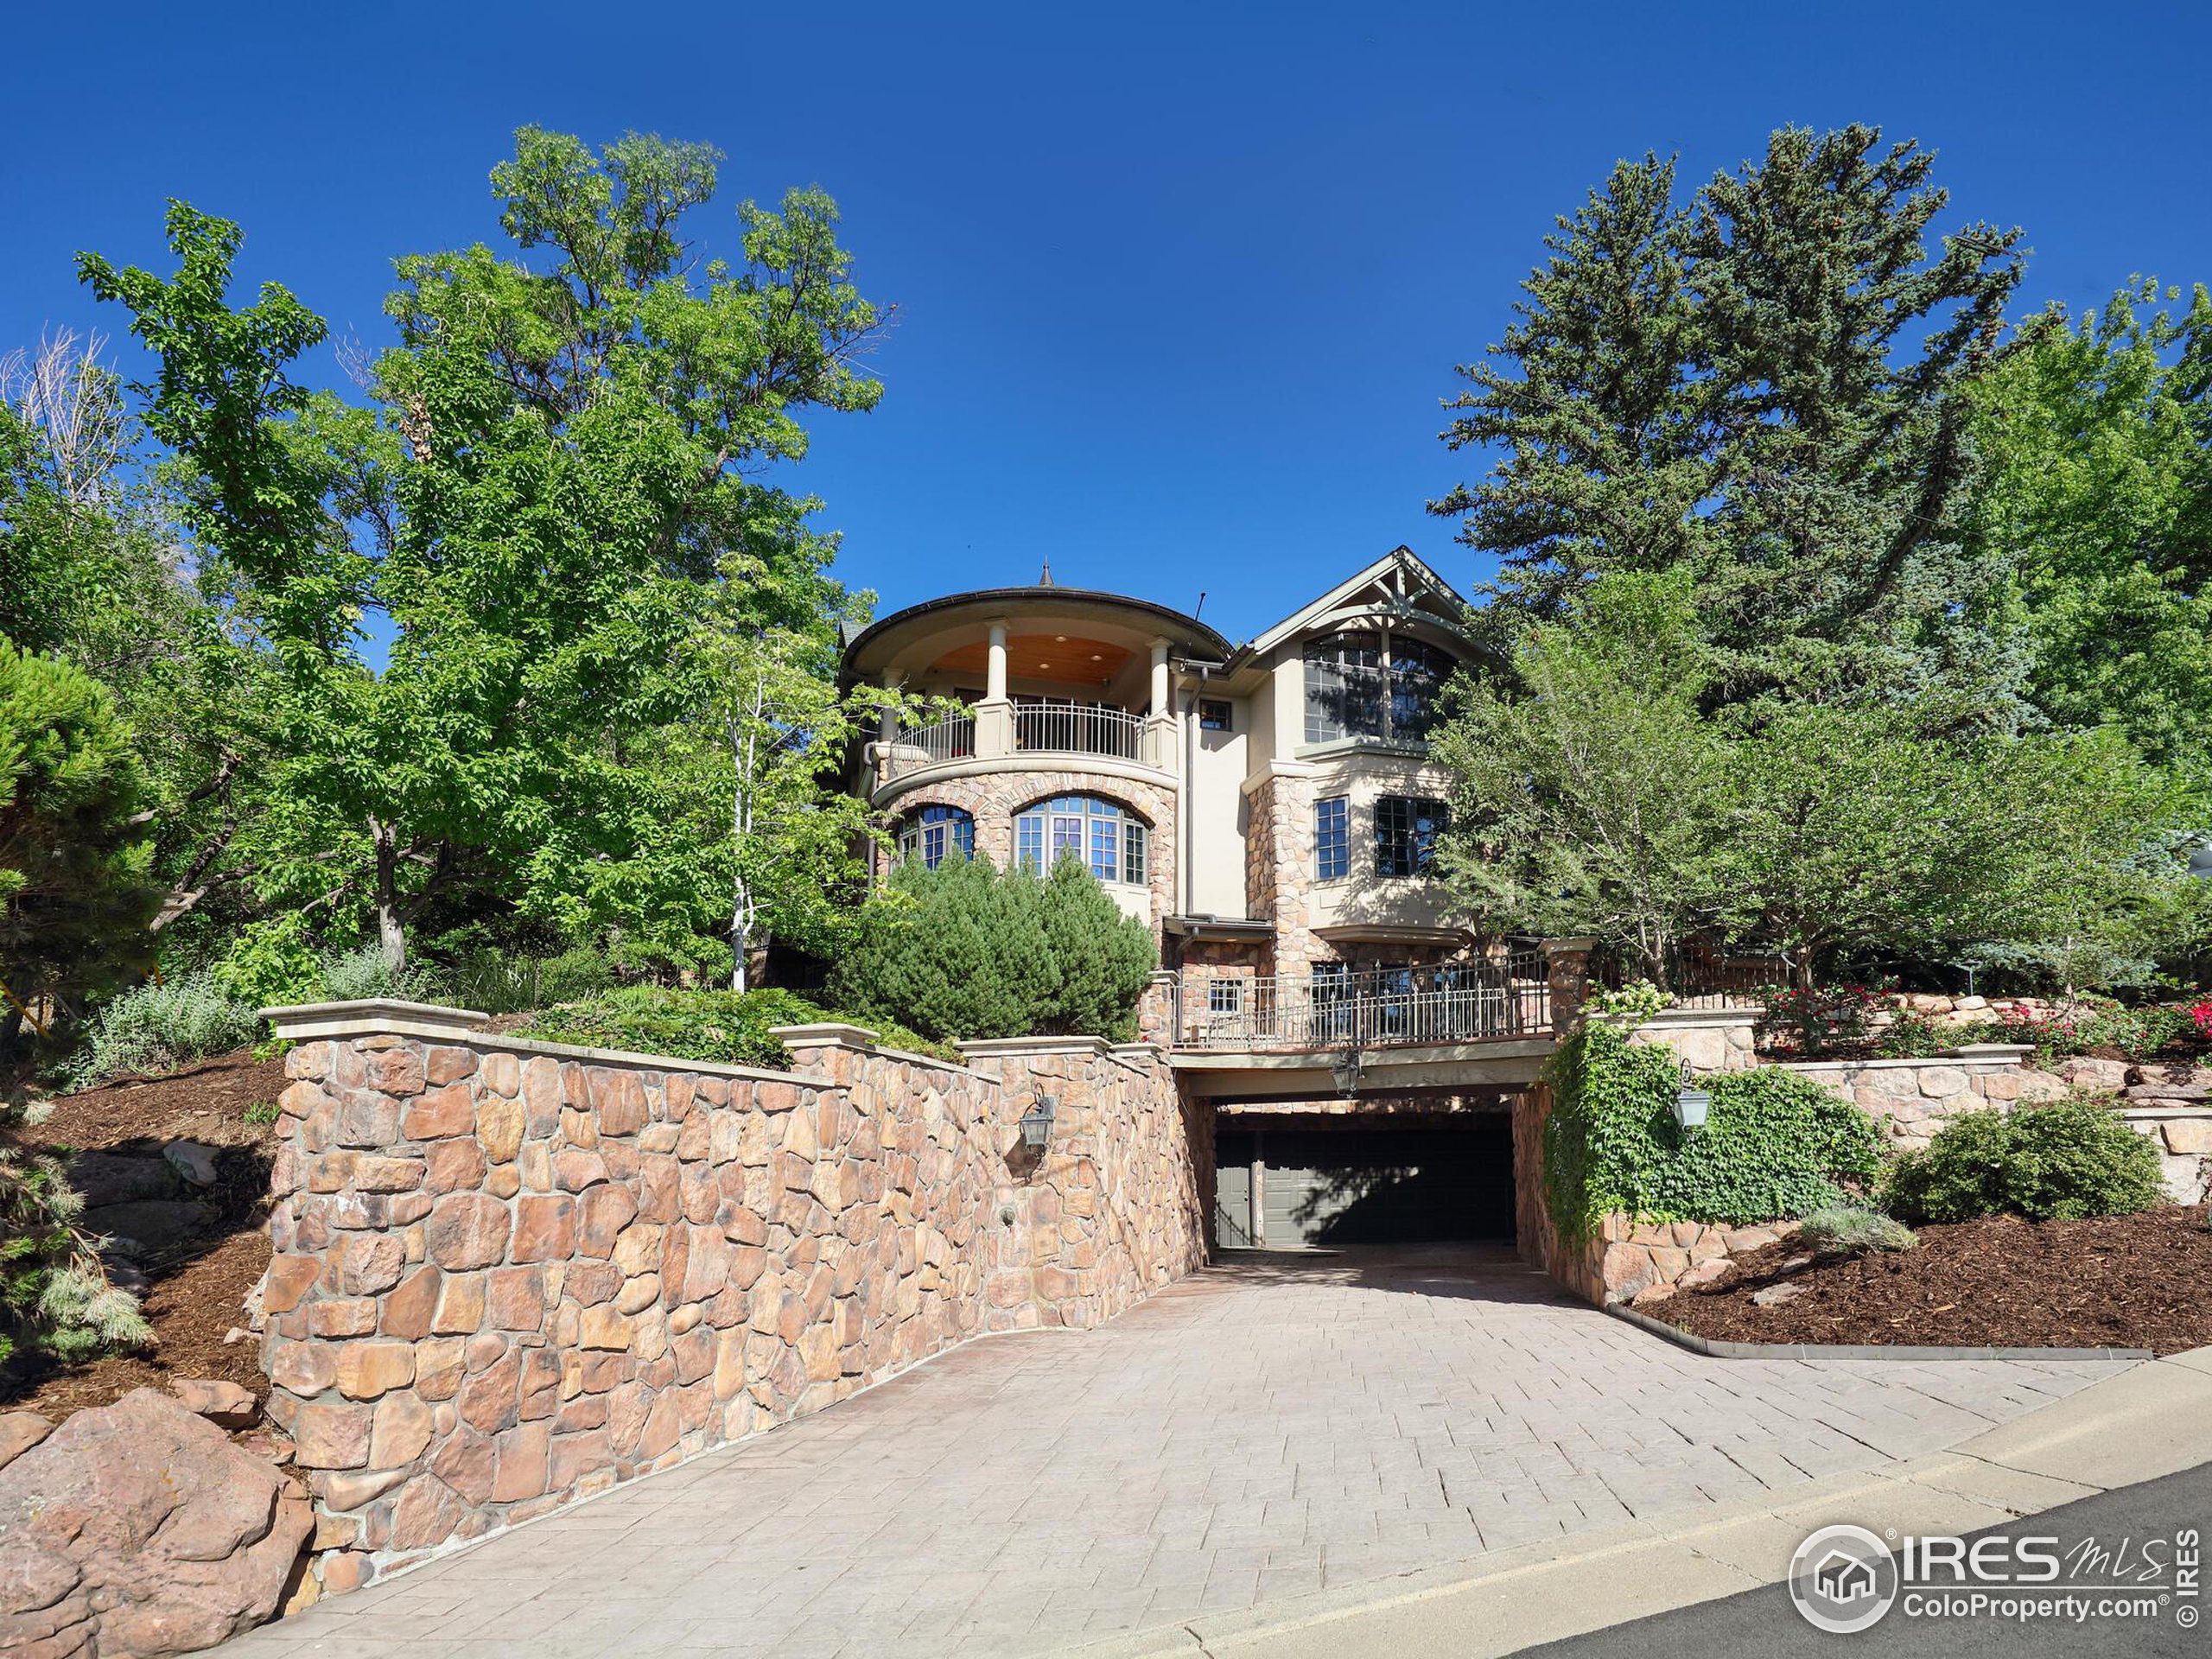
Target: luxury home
x,y
1271,810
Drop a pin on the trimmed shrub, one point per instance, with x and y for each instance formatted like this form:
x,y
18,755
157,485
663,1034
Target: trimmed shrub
x,y
967,951
1773,1146
1850,1229
728,1027
2067,1160
157,1027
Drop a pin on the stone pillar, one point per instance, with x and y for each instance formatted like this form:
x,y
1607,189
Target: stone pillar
x,y
1157,1020
1566,976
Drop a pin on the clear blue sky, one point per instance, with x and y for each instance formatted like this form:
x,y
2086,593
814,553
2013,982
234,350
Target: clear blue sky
x,y
1178,288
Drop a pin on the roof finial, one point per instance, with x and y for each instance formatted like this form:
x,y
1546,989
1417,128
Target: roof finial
x,y
1044,578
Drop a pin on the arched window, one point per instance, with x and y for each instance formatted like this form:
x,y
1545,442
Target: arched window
x,y
1109,838
1372,685
932,832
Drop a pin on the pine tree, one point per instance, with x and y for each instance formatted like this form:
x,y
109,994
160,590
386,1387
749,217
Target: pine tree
x,y
1766,388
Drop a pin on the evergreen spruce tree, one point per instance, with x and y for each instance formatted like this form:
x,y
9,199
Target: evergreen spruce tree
x,y
1768,388
1104,955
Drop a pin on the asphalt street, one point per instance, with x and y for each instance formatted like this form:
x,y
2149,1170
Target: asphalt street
x,y
1764,1622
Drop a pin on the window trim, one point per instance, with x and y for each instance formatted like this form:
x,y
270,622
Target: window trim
x,y
1383,683
1419,851
1046,829
1332,838
956,824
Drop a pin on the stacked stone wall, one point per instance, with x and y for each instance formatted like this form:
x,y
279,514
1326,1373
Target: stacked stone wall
x,y
508,1274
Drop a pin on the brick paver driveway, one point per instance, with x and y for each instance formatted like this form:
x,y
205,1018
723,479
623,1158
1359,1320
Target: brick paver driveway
x,y
1262,1430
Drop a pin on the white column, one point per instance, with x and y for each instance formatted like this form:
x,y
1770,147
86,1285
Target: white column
x,y
995,714
1159,678
888,722
995,680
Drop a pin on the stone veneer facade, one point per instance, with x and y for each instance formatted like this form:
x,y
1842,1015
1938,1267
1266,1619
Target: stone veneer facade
x,y
509,1275
993,798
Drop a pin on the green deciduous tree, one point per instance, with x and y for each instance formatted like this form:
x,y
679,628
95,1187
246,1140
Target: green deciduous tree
x,y
75,890
1767,386
1588,786
2098,501
562,448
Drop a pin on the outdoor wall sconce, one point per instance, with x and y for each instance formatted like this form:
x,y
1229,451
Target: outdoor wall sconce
x,y
1345,1069
1037,1122
1691,1103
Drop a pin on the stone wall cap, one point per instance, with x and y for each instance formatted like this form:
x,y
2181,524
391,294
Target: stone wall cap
x,y
365,1015
824,1032
1675,1019
992,1046
1576,942
1993,1050
1954,1059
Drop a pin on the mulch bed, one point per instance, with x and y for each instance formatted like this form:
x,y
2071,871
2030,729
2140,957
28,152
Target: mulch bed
x,y
198,1291
2128,1281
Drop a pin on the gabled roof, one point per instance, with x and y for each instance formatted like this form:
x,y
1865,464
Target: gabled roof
x,y
1398,570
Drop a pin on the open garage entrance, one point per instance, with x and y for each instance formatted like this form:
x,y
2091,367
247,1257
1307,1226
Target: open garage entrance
x,y
1294,1180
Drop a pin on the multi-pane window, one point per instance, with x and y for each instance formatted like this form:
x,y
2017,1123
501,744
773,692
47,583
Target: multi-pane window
x,y
934,832
1225,996
1406,832
1331,839
1109,838
1215,715
1343,688
1365,686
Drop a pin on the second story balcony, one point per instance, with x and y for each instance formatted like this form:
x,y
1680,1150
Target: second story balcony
x,y
1040,726
1078,680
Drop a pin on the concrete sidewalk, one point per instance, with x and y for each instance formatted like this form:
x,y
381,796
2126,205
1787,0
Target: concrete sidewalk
x,y
2151,1420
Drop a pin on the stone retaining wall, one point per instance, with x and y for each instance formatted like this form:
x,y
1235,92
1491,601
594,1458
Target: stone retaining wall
x,y
509,1275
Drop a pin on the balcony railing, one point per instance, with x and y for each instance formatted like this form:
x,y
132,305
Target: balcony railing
x,y
916,746
1457,1003
1076,729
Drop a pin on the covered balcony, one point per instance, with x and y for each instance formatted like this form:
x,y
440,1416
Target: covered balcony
x,y
1042,675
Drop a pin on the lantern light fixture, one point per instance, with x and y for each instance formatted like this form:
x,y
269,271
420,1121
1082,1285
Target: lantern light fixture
x,y
1691,1103
1037,1122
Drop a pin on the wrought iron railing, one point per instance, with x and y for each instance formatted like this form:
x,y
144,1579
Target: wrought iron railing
x,y
1076,729
1699,975
1456,1003
952,738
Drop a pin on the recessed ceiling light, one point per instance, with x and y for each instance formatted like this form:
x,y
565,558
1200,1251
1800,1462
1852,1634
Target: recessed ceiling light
x,y
1059,638
1044,665
1096,658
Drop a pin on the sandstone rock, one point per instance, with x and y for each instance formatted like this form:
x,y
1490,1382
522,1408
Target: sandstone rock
x,y
468,1230
138,1529
192,1160
2173,1082
1776,1295
19,1432
2188,1136
1703,1273
2103,1076
223,1403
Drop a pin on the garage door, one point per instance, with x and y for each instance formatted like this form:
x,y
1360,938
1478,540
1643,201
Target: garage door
x,y
1366,1186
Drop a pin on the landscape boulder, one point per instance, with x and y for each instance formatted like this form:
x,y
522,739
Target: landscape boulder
x,y
225,1404
194,1162
138,1530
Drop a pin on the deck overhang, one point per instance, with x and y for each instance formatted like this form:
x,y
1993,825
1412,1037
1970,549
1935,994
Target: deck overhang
x,y
1505,1065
